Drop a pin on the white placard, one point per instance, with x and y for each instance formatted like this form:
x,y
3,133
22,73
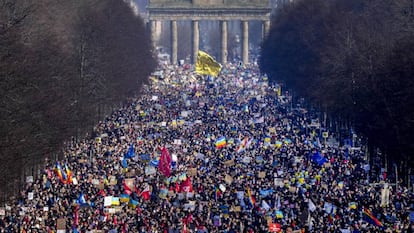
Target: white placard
x,y
111,210
149,170
174,157
154,98
190,195
189,206
108,201
74,181
30,196
279,182
222,188
246,159
180,196
184,114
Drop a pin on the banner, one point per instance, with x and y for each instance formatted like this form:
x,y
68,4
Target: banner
x,y
274,227
61,224
206,65
164,165
385,196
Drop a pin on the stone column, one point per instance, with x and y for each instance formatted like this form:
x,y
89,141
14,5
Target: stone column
x,y
245,38
153,28
224,41
266,28
174,42
196,40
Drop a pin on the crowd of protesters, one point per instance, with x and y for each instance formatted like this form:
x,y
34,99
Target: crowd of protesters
x,y
240,159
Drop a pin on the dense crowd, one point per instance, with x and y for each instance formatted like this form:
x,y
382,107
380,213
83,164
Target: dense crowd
x,y
240,159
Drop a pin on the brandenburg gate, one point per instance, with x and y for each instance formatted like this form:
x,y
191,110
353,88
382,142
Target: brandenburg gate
x,y
196,10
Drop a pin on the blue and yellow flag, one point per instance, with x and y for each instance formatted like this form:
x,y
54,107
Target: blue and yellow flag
x,y
206,65
352,205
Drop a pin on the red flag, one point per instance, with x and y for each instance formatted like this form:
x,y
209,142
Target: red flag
x,y
125,227
146,194
49,173
187,186
102,193
76,217
127,189
177,188
164,164
139,211
137,190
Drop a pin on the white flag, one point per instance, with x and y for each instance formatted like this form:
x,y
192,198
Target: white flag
x,y
385,196
311,206
265,205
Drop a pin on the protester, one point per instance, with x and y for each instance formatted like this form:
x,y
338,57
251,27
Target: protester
x,y
209,154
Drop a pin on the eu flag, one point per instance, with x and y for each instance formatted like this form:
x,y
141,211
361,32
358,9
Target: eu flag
x,y
130,153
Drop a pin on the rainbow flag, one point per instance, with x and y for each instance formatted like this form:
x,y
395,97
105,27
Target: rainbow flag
x,y
60,173
252,200
369,217
330,218
221,142
217,192
69,174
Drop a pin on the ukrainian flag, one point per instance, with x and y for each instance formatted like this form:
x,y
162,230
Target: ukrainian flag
x,y
352,205
115,201
279,214
132,203
206,65
124,198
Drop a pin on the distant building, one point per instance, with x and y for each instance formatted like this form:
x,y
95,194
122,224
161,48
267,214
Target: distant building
x,y
142,5
275,4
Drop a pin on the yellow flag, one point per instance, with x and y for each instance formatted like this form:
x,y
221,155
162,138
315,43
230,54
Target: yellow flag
x,y
206,65
279,90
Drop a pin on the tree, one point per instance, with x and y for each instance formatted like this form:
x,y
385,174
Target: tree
x,y
347,57
289,53
61,64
